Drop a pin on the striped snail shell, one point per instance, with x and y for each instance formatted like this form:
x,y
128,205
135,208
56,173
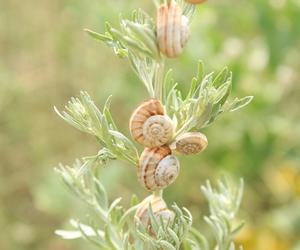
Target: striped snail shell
x,y
172,29
149,125
191,143
159,209
157,168
195,1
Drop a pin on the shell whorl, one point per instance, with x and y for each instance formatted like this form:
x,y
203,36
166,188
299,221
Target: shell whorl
x,y
157,168
191,143
159,209
149,126
172,29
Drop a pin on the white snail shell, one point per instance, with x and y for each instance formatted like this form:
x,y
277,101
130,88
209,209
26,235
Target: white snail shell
x,y
191,143
172,29
157,168
159,209
149,125
195,1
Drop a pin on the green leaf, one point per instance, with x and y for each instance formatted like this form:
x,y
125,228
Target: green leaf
x,y
222,77
166,245
240,103
200,72
201,240
98,36
222,93
101,192
128,213
174,237
109,238
113,205
237,229
134,200
145,35
153,220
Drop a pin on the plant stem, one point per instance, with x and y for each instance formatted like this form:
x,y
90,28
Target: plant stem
x,y
158,193
184,127
158,80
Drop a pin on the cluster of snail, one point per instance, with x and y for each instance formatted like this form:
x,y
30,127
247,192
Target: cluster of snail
x,y
158,167
151,127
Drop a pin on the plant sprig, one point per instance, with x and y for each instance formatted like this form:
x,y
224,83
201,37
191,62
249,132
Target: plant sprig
x,y
115,228
83,114
206,100
224,203
136,40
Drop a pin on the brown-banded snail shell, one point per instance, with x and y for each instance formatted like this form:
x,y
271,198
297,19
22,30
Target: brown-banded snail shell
x,y
157,168
191,143
150,126
158,207
195,1
172,29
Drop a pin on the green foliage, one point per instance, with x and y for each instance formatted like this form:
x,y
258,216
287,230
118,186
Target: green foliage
x,y
113,226
205,101
83,114
224,203
261,143
136,40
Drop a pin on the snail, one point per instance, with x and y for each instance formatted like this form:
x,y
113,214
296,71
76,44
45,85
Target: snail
x,y
172,29
157,168
191,143
195,1
159,208
149,125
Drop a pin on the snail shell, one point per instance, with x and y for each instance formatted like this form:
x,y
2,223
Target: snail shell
x,y
172,29
149,126
159,209
157,168
195,1
191,143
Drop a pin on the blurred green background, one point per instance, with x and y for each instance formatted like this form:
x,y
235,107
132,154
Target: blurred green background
x,y
45,58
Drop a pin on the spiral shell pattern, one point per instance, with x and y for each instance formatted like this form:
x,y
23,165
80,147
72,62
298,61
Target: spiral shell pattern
x,y
157,168
149,126
159,209
191,143
172,29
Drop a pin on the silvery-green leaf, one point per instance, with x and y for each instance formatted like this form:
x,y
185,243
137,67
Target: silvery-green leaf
x,y
201,240
146,35
241,103
128,213
174,237
114,204
69,235
237,229
200,71
166,245
101,192
153,220
98,36
222,92
222,77
109,238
